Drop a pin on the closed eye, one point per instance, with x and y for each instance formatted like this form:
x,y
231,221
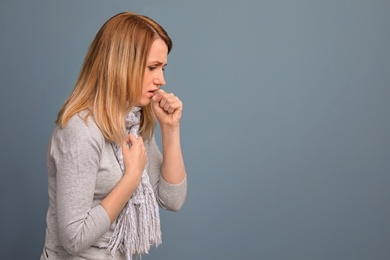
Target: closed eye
x,y
154,67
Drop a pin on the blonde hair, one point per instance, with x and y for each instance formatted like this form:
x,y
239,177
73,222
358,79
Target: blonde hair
x,y
110,80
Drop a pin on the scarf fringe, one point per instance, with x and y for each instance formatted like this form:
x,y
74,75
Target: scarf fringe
x,y
138,224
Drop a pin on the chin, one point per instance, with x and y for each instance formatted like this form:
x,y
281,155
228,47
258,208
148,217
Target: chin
x,y
143,103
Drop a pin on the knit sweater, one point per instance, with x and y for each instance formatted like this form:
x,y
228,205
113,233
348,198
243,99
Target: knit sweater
x,y
82,170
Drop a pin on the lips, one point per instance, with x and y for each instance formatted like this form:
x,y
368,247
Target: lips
x,y
152,92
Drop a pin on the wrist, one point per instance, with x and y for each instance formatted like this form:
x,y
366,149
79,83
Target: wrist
x,y
170,128
132,176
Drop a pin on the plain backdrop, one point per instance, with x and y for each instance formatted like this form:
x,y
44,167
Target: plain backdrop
x,y
285,129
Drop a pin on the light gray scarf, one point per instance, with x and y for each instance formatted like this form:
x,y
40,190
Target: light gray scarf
x,y
138,224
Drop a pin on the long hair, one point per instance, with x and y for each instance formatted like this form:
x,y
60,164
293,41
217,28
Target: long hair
x,y
110,80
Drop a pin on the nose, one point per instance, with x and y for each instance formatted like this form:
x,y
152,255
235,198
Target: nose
x,y
160,79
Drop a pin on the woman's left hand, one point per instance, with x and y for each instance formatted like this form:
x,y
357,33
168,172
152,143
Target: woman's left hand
x,y
167,108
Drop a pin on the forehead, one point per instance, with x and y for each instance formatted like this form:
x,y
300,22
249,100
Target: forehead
x,y
158,51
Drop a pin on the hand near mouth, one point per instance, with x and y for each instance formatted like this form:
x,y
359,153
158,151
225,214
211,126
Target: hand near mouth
x,y
167,108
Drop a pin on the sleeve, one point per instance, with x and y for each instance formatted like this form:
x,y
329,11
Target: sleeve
x,y
76,152
169,196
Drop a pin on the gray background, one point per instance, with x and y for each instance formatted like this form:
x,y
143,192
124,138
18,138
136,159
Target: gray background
x,y
285,129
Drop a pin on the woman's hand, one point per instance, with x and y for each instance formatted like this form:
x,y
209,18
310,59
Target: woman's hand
x,y
167,108
134,157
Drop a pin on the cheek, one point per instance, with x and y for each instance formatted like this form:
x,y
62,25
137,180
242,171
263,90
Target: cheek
x,y
146,76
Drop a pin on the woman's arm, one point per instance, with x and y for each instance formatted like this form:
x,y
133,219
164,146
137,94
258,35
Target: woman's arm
x,y
75,155
172,169
169,196
73,163
168,110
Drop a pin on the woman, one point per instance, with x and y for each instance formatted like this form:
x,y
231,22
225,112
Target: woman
x,y
106,175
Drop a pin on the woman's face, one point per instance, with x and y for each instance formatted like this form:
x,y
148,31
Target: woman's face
x,y
154,71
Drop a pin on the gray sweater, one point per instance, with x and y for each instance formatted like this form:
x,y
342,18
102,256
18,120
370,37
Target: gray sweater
x,y
82,170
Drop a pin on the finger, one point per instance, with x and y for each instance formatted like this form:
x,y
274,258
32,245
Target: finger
x,y
167,106
140,140
158,95
162,103
167,100
132,138
129,139
161,92
176,106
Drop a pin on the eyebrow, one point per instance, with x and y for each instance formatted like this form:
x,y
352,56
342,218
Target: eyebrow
x,y
157,62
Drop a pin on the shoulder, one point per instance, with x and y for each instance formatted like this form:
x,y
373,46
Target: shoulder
x,y
82,121
80,128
